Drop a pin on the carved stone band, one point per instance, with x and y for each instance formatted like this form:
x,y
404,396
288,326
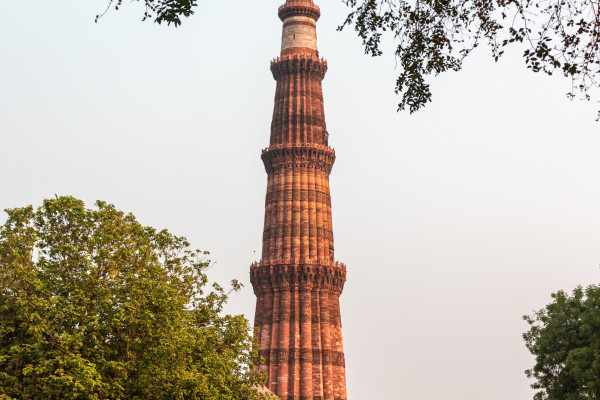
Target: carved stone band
x,y
314,356
307,277
297,231
298,63
299,156
297,195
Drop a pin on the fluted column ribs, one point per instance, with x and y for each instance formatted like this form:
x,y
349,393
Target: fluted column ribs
x,y
284,344
295,232
266,321
309,108
341,378
298,115
304,223
328,224
317,367
272,350
294,339
326,346
306,386
320,243
336,346
287,239
285,132
312,215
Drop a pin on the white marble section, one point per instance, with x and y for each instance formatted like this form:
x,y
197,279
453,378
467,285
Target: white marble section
x,y
297,35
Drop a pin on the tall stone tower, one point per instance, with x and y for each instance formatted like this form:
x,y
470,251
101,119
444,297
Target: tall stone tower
x,y
298,282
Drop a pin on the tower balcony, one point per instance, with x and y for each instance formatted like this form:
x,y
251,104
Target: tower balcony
x,y
284,274
299,8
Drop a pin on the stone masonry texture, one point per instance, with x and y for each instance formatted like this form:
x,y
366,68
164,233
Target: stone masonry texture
x,y
297,282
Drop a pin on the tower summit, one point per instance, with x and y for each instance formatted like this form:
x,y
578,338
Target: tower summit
x,y
298,282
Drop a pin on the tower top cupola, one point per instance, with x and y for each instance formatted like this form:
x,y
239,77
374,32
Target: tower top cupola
x,y
299,27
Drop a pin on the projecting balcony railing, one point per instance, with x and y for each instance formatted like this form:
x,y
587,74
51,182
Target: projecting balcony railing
x,y
299,7
298,146
297,261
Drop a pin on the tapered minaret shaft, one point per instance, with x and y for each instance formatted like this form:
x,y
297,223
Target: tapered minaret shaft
x,y
297,282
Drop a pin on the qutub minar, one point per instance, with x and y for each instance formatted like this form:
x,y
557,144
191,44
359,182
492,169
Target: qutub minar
x,y
298,282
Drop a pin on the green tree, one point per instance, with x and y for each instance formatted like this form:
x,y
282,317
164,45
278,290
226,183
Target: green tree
x,y
564,337
93,305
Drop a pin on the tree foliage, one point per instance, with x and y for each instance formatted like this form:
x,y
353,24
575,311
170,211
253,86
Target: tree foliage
x,y
434,36
564,337
93,305
169,11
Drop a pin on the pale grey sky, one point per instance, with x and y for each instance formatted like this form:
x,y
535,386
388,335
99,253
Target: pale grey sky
x,y
453,222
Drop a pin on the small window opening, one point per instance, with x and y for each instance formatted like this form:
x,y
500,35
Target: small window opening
x,y
294,36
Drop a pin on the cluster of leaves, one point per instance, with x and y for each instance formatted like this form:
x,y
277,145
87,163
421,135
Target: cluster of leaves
x,y
93,305
564,337
169,11
434,36
567,40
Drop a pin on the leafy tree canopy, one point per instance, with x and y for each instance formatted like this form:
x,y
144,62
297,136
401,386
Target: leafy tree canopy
x,y
564,337
94,306
435,36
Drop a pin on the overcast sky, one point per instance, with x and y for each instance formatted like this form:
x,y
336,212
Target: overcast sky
x,y
454,222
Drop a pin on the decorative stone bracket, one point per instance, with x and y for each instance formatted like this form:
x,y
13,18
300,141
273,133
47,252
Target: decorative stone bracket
x,y
298,63
320,157
281,275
